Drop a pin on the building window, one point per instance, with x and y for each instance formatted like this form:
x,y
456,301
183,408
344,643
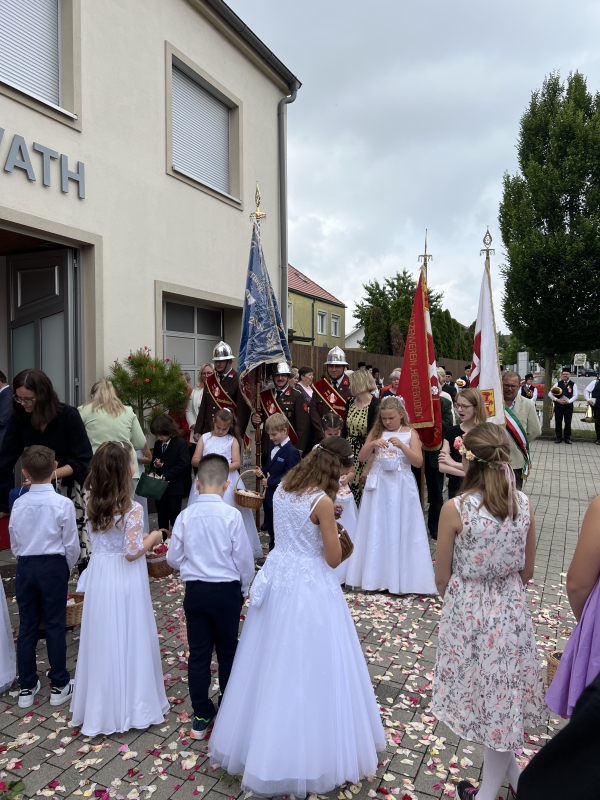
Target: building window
x,y
335,324
37,60
322,322
189,334
290,319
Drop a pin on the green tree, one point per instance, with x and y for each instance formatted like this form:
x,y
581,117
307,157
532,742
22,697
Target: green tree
x,y
550,223
151,386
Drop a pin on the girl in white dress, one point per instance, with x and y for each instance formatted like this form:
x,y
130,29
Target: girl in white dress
x,y
7,645
119,678
299,714
345,504
224,441
391,550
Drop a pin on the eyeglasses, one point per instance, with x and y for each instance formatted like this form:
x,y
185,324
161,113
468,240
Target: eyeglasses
x,y
511,385
23,401
463,406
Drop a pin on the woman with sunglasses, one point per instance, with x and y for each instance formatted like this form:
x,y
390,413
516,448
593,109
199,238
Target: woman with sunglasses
x,y
471,412
40,418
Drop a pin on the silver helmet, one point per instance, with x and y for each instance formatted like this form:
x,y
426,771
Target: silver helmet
x,y
281,368
222,352
337,356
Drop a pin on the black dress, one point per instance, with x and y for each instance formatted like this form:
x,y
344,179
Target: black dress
x,y
454,481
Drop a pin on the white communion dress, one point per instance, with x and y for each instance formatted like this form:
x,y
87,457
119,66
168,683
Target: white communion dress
x,y
7,645
299,713
119,679
221,445
349,519
391,550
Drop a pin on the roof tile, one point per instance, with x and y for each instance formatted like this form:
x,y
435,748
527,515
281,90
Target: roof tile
x,y
299,282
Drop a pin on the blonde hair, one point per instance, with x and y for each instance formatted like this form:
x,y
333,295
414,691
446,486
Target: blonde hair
x,y
200,381
277,422
441,373
392,403
321,468
361,381
103,397
490,443
475,398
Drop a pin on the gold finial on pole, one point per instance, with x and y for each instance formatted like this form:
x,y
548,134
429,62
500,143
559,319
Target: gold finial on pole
x,y
257,215
425,258
487,240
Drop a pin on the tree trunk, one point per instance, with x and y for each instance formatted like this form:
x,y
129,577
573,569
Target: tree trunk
x,y
546,429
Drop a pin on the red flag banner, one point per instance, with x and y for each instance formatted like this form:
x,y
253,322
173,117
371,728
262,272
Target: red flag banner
x,y
418,384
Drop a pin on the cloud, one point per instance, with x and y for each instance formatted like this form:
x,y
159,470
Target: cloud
x,y
407,119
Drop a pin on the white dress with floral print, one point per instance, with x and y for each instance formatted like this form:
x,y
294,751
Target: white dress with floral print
x,y
488,682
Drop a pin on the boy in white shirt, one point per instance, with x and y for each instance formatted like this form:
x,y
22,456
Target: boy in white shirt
x,y
210,547
45,542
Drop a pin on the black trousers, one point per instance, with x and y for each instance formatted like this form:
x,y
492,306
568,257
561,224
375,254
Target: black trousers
x,y
434,480
568,765
212,612
168,508
518,478
562,414
268,516
41,589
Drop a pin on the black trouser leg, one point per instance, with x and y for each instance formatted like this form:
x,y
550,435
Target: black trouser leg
x,y
597,426
41,589
268,518
167,510
212,612
567,417
558,419
433,479
518,478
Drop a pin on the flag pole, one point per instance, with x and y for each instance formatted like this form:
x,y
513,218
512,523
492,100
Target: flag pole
x,y
257,217
425,259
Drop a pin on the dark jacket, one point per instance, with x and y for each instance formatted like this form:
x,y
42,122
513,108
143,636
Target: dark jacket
x,y
285,458
318,407
176,460
294,407
208,407
65,434
371,413
6,410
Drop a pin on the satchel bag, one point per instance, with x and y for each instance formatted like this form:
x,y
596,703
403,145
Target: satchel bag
x,y
345,541
151,488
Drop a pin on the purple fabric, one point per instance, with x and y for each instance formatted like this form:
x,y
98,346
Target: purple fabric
x,y
580,663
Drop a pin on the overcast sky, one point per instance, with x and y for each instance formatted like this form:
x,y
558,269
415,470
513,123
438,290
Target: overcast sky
x,y
407,119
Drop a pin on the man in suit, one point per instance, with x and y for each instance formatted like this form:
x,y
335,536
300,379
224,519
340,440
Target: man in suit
x,y
222,391
449,386
330,393
6,406
282,458
524,429
467,377
563,405
283,399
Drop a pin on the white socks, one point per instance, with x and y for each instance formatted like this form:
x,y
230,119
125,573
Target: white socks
x,y
497,764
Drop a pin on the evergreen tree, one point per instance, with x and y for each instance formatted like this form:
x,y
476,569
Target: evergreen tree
x,y
550,223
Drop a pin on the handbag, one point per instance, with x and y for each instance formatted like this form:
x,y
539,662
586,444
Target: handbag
x,y
151,488
345,542
14,494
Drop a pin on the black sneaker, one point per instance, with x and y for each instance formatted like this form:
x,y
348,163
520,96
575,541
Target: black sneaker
x,y
597,441
466,791
200,727
568,441
558,441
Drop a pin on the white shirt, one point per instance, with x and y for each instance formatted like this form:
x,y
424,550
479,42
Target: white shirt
x,y
587,392
277,448
572,400
42,523
209,543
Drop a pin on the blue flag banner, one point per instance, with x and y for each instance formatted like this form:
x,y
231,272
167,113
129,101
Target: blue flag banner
x,y
263,338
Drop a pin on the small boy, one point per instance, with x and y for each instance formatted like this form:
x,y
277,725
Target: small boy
x,y
45,542
210,547
282,458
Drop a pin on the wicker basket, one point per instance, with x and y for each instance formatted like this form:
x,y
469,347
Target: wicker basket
x,y
157,563
345,541
74,612
253,501
8,574
553,662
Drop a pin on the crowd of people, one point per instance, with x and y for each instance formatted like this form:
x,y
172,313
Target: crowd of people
x,y
297,713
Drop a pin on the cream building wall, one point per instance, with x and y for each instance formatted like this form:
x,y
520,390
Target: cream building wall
x,y
145,234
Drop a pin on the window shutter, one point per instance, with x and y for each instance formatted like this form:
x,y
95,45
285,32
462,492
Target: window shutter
x,y
29,50
200,133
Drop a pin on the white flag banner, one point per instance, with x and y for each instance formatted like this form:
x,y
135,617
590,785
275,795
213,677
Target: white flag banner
x,y
485,374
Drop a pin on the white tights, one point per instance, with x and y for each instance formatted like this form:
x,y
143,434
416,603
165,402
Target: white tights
x,y
497,764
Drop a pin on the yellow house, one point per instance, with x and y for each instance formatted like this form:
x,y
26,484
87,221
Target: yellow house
x,y
314,315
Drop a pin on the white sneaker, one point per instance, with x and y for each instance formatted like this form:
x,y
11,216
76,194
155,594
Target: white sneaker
x,y
60,696
27,696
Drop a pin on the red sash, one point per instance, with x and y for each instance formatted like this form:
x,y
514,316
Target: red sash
x,y
271,406
331,396
222,399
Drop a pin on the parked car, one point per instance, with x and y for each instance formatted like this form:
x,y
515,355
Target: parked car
x,y
588,373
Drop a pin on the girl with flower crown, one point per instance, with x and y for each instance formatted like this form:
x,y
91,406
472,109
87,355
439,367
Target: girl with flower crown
x,y
391,550
488,683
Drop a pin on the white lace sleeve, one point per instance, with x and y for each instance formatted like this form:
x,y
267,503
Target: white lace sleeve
x,y
134,529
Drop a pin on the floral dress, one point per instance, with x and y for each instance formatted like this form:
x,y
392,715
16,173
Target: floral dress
x,y
356,434
488,680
